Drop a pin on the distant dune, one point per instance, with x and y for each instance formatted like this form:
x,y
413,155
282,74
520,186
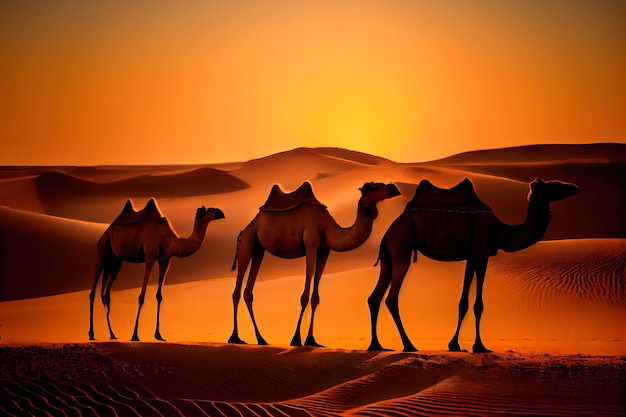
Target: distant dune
x,y
200,181
291,168
592,152
56,192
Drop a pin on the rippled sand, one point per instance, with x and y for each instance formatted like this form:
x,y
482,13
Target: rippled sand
x,y
216,380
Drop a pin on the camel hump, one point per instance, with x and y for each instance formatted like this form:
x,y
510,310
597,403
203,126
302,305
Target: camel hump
x,y
278,200
462,197
130,216
152,209
128,207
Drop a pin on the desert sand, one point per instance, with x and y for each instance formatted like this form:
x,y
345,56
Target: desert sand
x,y
555,313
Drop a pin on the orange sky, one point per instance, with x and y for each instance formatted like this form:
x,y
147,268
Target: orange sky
x,y
115,82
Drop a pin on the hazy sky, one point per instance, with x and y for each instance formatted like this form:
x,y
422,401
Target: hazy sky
x,y
117,82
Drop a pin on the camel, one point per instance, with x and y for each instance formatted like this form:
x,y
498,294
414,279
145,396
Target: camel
x,y
454,225
143,236
296,225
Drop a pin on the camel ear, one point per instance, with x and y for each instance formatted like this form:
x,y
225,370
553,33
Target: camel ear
x,y
536,186
368,186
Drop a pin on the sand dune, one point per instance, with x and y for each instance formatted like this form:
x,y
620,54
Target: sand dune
x,y
42,255
106,173
547,308
200,181
593,152
293,167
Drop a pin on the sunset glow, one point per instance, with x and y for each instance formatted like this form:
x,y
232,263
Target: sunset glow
x,y
328,207
193,82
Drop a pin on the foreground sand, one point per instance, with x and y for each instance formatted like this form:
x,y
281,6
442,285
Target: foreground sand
x,y
165,379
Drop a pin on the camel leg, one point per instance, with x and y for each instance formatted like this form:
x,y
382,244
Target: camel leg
x,y
92,297
244,254
106,296
163,267
374,300
142,296
311,260
322,257
105,279
479,306
398,272
257,258
454,345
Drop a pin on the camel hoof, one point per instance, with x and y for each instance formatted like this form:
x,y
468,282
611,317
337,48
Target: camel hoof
x,y
262,342
454,347
296,341
236,340
375,346
311,342
159,337
135,338
409,349
480,348
112,337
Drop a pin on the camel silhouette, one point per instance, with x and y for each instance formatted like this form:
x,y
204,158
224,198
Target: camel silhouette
x,y
143,236
295,225
454,225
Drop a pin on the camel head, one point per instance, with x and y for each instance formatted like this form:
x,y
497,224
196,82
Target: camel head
x,y
551,191
209,214
373,192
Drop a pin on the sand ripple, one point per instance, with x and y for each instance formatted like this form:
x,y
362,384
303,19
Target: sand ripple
x,y
95,380
564,270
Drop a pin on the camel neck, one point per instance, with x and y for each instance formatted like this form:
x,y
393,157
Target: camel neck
x,y
518,237
188,246
345,239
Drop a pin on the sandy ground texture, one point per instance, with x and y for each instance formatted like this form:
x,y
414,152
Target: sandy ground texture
x,y
165,379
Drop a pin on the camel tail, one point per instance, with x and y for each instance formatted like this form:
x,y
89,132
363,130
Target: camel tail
x,y
382,252
99,271
103,247
232,268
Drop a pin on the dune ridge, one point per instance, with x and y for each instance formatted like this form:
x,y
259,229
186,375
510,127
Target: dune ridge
x,y
590,152
199,181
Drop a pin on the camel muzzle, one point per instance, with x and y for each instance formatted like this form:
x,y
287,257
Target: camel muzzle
x,y
393,190
219,214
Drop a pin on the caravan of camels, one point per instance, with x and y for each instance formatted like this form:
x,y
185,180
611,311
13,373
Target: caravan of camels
x,y
443,224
